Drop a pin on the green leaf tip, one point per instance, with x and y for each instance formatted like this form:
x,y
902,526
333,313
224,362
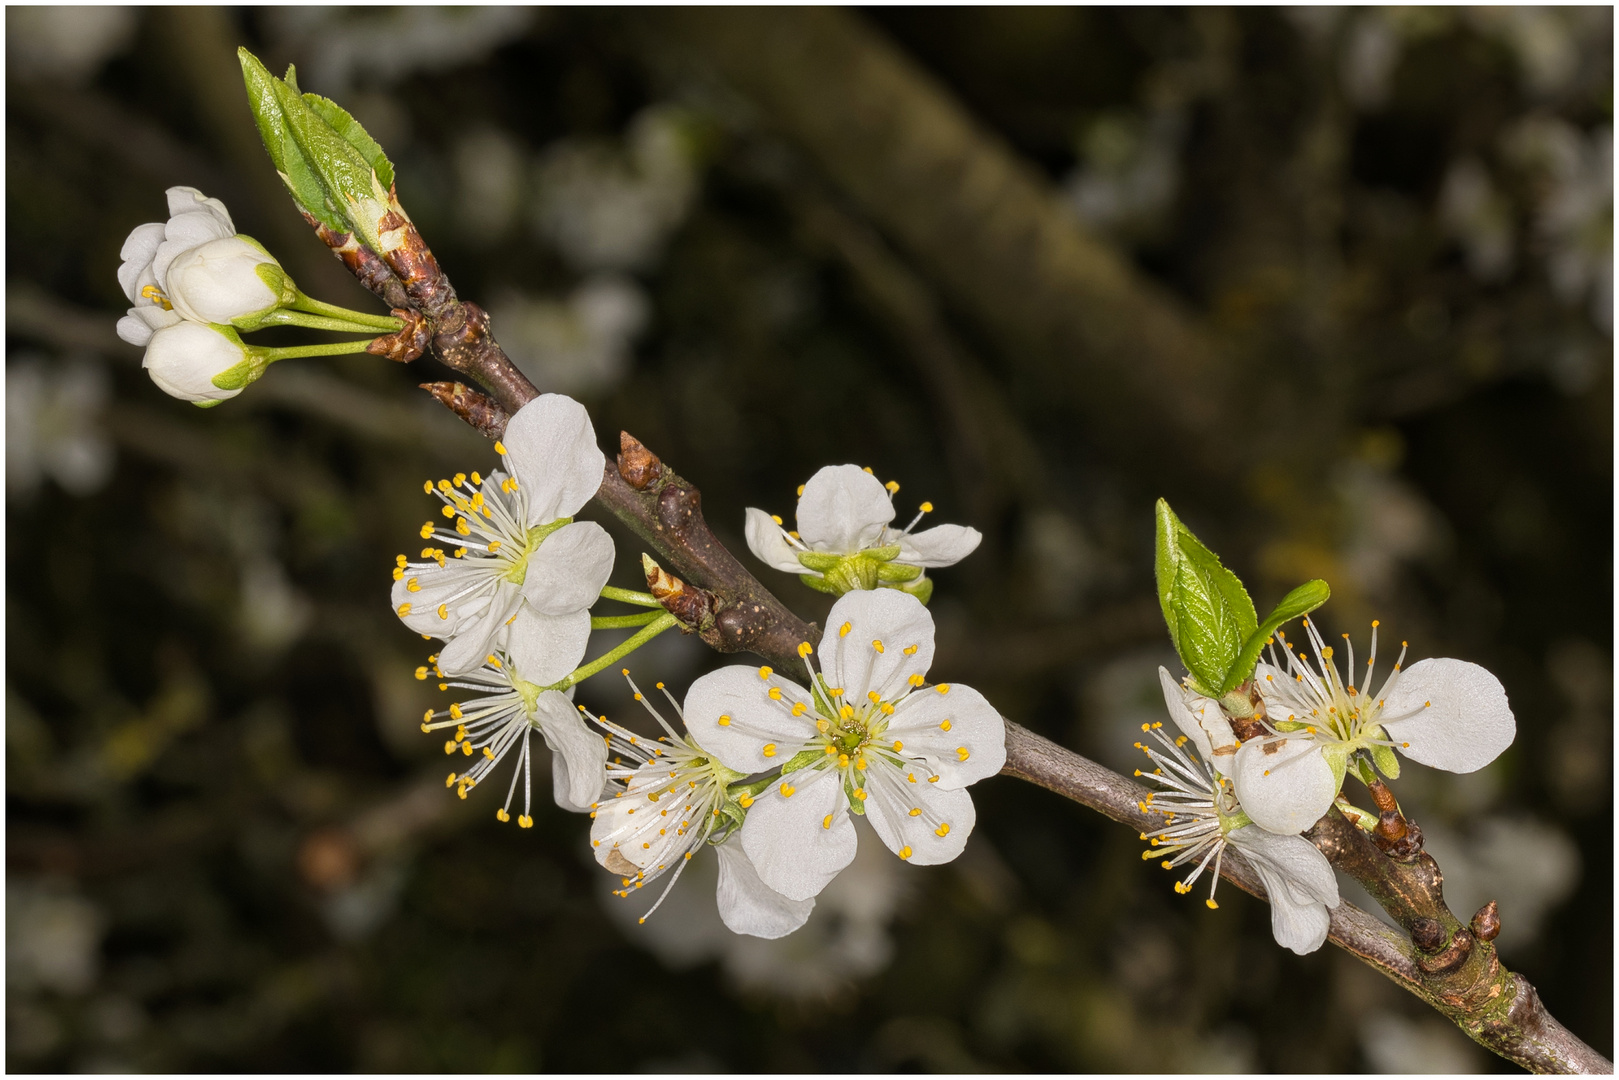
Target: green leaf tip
x,y
1301,601
1207,611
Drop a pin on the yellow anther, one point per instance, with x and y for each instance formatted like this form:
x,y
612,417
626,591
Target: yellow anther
x,y
449,747
525,822
444,486
400,561
461,792
494,546
898,745
910,650
877,645
846,713
769,750
1211,903
916,680
943,829
826,822
449,781
916,811
421,674
455,711
764,672
843,631
403,610
776,518
414,585
775,693
799,708
500,448
462,527
487,752
449,511
961,753
910,778
444,611
905,852
858,794
805,648
926,508
501,815
943,688
887,709
893,487
860,763
866,469
724,721
787,791
945,726
843,761
830,750
836,691
466,748
477,479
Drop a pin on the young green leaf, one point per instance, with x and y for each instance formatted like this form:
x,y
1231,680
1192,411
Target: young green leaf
x,y
1301,601
354,134
1207,610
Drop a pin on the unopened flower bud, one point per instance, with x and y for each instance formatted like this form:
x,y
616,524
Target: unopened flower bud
x,y
201,363
233,280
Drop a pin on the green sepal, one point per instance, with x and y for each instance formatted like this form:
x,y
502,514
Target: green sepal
x,y
352,132
922,590
819,584
893,573
1301,601
802,760
208,404
1336,755
1207,611
1386,760
819,561
279,282
1364,771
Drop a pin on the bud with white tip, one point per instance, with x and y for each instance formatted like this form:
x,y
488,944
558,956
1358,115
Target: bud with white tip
x,y
201,363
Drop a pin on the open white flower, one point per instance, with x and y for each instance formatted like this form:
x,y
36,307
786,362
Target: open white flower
x,y
844,540
870,738
1448,714
197,266
1202,815
512,540
512,703
195,362
669,800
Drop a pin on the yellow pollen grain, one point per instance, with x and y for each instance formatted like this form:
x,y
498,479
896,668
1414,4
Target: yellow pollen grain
x,y
822,725
943,829
961,753
916,811
403,609
500,448
444,611
764,672
945,726
421,674
502,815
775,693
898,745
826,822
805,648
926,508
843,631
769,750
943,688
724,721
776,518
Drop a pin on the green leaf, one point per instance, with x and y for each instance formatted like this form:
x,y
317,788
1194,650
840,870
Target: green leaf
x,y
1207,610
267,102
1301,601
354,134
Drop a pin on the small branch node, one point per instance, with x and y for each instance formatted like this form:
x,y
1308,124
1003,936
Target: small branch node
x,y
1486,923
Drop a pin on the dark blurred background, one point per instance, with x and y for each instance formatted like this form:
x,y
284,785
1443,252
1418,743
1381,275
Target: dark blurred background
x,y
1336,283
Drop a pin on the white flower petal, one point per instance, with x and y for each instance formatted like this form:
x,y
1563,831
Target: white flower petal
x,y
1175,701
843,509
474,640
936,728
553,451
545,648
435,586
137,254
754,722
768,544
183,233
1299,881
749,906
568,571
218,282
188,200
183,359
942,545
1281,693
909,815
578,755
850,658
1286,789
1467,724
799,842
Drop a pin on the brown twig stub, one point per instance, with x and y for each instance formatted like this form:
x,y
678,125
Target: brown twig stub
x,y
694,607
405,344
480,411
636,464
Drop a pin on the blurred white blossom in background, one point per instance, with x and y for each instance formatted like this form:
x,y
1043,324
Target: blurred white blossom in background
x,y
1572,175
53,425
579,345
608,206
1129,168
53,937
1394,1044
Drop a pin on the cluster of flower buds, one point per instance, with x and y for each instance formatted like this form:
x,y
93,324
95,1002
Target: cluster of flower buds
x,y
1271,743
196,283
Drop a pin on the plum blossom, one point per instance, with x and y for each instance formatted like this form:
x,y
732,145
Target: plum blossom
x,y
197,266
870,738
196,362
845,540
1447,714
513,699
513,544
669,799
1202,815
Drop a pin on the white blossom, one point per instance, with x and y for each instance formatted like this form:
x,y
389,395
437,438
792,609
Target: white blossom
x,y
1202,815
197,266
871,738
512,540
845,541
669,800
53,425
195,362
1447,714
512,701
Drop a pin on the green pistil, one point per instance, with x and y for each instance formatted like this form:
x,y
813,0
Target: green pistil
x,y
530,693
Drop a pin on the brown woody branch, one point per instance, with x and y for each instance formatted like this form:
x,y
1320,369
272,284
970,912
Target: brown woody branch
x,y
1452,967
